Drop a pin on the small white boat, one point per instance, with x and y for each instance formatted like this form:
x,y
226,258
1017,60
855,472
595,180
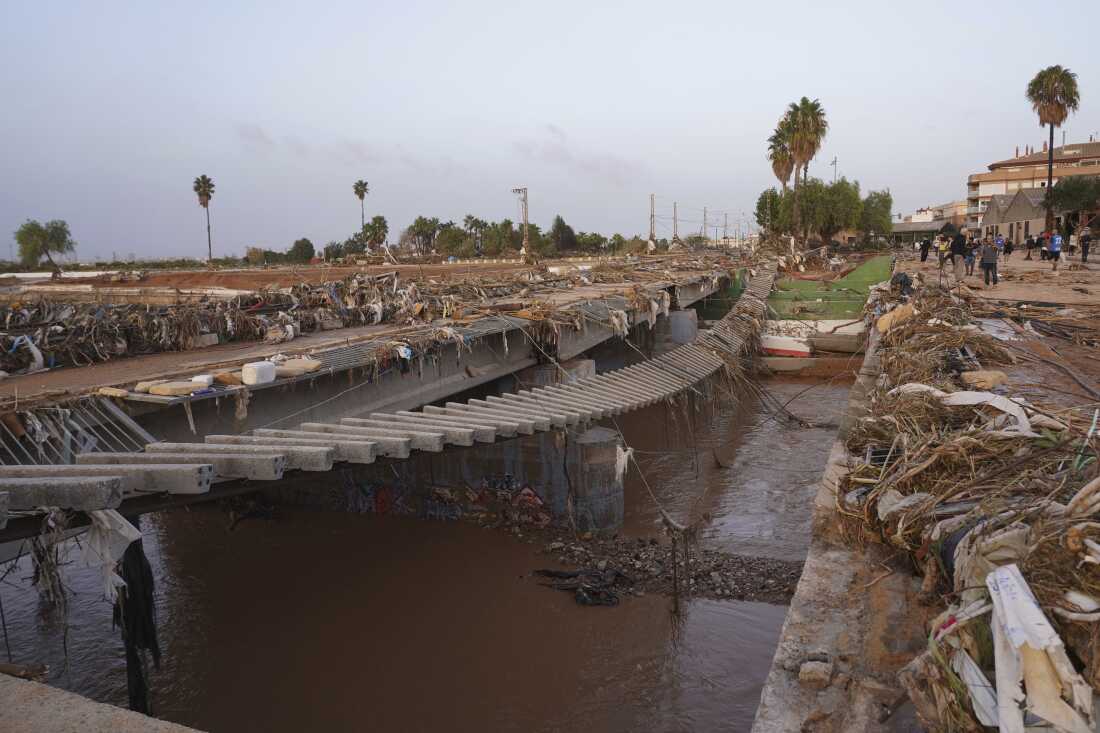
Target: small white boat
x,y
775,345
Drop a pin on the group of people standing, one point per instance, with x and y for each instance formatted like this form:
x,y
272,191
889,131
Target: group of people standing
x,y
963,253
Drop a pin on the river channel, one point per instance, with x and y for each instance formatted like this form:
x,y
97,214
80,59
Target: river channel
x,y
338,622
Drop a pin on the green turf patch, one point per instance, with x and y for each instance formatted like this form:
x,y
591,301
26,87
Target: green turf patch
x,y
808,299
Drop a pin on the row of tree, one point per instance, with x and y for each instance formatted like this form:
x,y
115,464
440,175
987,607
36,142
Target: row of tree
x,y
824,210
476,236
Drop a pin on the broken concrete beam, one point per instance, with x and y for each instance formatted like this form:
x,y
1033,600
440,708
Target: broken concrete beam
x,y
452,435
258,466
85,493
165,478
481,433
526,421
302,458
389,444
506,428
560,417
579,403
349,451
585,413
556,419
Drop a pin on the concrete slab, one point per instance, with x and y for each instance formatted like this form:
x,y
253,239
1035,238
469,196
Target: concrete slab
x,y
455,436
588,411
302,458
570,417
86,493
136,478
260,467
346,451
481,433
31,707
513,426
534,423
390,444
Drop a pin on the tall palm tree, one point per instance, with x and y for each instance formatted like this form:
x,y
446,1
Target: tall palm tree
x,y
779,152
204,189
361,189
808,129
1053,95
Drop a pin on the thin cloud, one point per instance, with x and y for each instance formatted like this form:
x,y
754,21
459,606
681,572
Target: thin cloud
x,y
254,136
608,167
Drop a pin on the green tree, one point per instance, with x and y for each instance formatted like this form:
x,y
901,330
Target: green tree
x,y
376,231
562,235
452,241
204,189
254,255
360,188
877,215
808,127
769,210
301,251
37,240
333,251
779,151
498,238
840,211
1053,95
1074,195
591,242
422,233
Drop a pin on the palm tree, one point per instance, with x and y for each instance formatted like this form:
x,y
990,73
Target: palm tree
x,y
808,129
204,189
779,152
361,189
1053,95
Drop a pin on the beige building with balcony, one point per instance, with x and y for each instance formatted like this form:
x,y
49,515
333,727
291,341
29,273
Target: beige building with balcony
x,y
1027,171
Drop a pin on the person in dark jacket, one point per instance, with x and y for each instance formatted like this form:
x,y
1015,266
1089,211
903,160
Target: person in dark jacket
x,y
989,255
958,255
1029,245
1086,242
925,245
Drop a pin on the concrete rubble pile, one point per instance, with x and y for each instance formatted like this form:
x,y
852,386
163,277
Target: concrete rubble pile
x,y
993,497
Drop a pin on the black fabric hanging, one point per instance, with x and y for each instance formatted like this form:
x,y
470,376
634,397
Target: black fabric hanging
x,y
135,614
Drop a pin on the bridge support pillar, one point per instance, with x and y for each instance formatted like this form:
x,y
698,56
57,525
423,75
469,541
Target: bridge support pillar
x,y
596,480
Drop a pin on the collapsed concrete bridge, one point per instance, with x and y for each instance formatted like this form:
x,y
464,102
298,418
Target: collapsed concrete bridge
x,y
134,472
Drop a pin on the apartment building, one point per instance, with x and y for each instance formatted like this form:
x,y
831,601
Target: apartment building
x,y
1025,171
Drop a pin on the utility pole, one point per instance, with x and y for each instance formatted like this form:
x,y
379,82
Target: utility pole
x,y
725,227
833,164
675,223
522,193
704,232
652,219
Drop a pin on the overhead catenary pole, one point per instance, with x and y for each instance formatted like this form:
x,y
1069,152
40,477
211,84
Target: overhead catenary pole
x,y
522,192
652,219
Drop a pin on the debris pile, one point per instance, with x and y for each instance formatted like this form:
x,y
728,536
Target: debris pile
x,y
48,334
993,498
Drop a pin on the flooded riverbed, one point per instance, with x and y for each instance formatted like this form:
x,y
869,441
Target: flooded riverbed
x,y
321,621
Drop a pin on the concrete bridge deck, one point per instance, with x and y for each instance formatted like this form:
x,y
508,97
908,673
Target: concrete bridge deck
x,y
180,471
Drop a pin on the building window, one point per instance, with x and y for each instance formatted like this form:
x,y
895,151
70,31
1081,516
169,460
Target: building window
x,y
1027,228
1012,231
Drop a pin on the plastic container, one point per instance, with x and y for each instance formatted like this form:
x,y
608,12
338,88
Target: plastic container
x,y
204,379
258,372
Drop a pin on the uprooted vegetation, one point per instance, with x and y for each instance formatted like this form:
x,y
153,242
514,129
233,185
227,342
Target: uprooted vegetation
x,y
992,499
47,333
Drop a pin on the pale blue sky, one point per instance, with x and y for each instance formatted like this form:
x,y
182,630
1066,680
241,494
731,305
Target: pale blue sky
x,y
112,108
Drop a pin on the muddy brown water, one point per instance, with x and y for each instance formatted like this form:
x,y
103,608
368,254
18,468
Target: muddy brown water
x,y
320,621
